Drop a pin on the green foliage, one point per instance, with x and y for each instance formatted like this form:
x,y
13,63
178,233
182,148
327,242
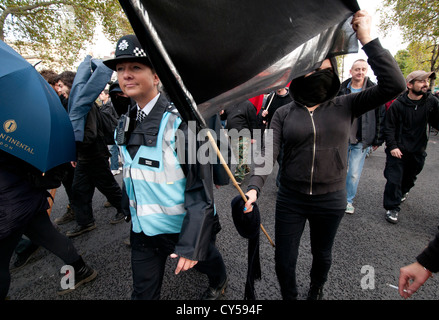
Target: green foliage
x,y
415,57
419,23
417,19
56,31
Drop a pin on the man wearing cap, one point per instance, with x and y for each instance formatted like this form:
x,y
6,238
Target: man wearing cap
x,y
169,201
405,134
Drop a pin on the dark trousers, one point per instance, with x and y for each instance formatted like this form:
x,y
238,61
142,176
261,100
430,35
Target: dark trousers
x,y
41,232
401,175
88,176
148,267
68,181
289,226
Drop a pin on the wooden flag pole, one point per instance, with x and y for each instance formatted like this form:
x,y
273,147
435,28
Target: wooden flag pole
x,y
231,176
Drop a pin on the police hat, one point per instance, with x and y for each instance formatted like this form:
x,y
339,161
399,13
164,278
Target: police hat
x,y
128,48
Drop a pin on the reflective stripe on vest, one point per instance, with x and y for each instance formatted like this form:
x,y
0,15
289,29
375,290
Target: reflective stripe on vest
x,y
155,183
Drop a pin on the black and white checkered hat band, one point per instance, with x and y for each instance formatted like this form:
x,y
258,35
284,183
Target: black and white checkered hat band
x,y
139,52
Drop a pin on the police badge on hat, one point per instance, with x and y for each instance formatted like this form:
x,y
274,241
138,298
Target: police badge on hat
x,y
128,48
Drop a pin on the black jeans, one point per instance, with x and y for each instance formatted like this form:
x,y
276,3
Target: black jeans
x,y
88,176
290,223
401,175
148,265
40,231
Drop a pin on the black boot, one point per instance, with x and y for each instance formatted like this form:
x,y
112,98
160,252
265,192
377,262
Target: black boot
x,y
83,274
315,293
214,293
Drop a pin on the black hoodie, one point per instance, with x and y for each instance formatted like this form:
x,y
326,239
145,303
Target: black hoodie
x,y
315,143
406,122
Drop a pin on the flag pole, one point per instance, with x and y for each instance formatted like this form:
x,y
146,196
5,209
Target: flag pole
x,y
162,64
231,176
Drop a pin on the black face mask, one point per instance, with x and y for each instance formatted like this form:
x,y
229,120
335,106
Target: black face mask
x,y
315,88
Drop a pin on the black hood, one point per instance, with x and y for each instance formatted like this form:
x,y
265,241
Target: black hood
x,y
405,100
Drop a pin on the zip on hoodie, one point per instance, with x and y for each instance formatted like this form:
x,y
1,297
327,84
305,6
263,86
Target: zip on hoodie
x,y
311,113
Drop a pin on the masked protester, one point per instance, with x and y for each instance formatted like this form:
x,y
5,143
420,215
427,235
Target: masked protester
x,y
313,131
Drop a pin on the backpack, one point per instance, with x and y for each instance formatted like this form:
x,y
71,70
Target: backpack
x,y
108,123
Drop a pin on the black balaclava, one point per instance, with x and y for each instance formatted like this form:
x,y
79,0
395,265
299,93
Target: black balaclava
x,y
316,88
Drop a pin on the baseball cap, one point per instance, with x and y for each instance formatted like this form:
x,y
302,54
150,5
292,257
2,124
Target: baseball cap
x,y
420,75
128,48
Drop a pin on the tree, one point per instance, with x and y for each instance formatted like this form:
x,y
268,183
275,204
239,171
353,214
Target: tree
x,y
418,21
415,57
56,31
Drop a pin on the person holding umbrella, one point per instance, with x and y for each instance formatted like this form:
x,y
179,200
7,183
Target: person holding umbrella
x,y
33,123
170,202
314,132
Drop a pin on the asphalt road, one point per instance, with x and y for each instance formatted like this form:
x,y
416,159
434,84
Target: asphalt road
x,y
367,255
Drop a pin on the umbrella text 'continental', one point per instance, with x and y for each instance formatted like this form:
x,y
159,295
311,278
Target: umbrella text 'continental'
x,y
9,142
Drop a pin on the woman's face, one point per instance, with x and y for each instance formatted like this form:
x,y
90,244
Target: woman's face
x,y
137,81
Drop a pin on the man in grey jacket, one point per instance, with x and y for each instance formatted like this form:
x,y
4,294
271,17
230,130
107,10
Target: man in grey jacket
x,y
366,131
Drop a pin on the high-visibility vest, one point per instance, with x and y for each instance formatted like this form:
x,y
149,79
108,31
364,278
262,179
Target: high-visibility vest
x,y
155,182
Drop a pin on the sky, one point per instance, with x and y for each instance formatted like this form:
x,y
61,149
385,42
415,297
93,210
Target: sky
x,y
391,41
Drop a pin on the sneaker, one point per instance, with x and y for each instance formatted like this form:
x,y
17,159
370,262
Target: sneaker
x,y
83,275
215,293
350,208
392,216
404,197
67,217
119,217
80,230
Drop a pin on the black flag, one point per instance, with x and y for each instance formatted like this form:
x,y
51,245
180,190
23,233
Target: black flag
x,y
211,54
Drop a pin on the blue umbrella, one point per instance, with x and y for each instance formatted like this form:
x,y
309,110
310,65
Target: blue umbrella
x,y
91,78
34,126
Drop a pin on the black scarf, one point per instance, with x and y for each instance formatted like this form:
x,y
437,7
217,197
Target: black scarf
x,y
315,88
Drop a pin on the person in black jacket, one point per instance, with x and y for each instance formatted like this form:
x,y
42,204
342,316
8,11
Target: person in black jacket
x,y
313,131
23,210
406,139
413,276
366,131
92,170
275,99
